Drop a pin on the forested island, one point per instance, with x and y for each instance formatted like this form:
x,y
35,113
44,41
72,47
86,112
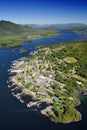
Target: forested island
x,y
55,75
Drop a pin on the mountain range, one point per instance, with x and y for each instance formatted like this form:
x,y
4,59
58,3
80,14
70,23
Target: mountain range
x,y
9,28
58,26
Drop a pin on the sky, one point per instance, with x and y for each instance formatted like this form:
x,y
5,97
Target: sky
x,y
44,11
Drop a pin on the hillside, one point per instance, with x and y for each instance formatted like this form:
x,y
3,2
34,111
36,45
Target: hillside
x,y
10,32
9,28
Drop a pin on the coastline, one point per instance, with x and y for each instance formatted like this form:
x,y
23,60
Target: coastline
x,y
33,103
31,37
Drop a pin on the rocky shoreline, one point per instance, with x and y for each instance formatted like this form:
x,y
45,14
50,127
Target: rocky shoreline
x,y
27,99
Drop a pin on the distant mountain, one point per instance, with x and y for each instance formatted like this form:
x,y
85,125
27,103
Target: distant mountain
x,y
33,25
8,28
58,26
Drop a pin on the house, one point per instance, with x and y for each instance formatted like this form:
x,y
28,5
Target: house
x,y
44,73
39,93
42,77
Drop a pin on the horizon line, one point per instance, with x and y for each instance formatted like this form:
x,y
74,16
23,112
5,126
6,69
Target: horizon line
x,y
43,23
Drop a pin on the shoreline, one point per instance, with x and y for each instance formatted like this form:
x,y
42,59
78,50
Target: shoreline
x,y
37,105
32,37
42,36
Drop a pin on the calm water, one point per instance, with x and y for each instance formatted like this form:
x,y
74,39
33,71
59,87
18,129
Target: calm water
x,y
16,116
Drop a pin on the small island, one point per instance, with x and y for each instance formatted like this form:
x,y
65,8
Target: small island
x,y
22,50
53,75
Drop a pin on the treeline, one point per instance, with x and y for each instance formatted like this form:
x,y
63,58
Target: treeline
x,y
78,28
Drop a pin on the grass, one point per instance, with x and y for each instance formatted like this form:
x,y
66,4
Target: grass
x,y
70,60
28,85
25,36
79,78
14,44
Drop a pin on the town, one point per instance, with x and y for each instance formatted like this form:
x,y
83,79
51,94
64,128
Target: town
x,y
49,75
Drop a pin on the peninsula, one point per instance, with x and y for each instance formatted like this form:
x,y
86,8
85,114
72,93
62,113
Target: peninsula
x,y
55,75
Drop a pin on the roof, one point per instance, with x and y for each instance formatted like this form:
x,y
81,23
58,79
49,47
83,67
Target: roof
x,y
42,77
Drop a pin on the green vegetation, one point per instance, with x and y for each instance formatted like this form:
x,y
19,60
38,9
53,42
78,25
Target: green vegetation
x,y
11,33
20,79
79,78
13,44
56,74
22,50
28,85
78,28
70,60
